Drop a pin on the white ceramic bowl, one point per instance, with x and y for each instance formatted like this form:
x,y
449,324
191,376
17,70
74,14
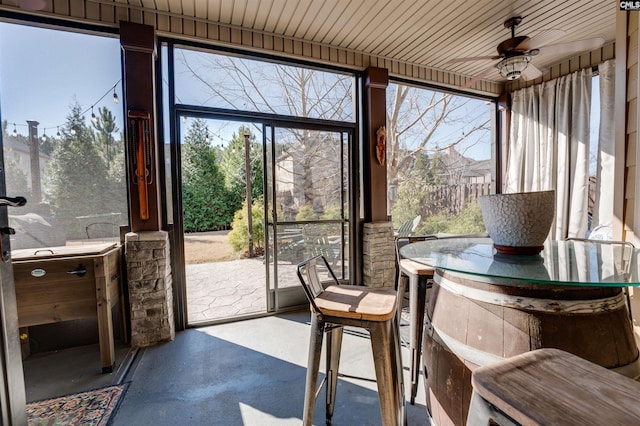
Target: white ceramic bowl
x,y
518,223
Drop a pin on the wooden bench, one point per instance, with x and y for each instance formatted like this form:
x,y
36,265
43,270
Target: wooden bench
x,y
552,387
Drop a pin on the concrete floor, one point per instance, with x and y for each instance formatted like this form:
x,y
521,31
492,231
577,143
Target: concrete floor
x,y
248,372
63,372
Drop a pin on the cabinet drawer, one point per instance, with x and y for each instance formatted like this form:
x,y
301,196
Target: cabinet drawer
x,y
46,292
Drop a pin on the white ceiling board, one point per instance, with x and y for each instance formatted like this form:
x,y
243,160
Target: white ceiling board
x,y
424,33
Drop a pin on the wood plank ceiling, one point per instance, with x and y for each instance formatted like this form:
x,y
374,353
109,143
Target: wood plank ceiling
x,y
426,33
420,32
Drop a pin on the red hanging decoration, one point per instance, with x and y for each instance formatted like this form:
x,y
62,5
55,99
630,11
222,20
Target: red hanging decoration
x,y
381,145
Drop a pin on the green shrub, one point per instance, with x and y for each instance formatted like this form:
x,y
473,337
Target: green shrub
x,y
469,221
239,236
331,212
306,213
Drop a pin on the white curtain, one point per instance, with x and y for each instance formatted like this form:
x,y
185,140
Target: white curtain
x,y
549,147
603,207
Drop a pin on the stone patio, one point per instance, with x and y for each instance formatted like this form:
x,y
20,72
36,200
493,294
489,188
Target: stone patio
x,y
229,289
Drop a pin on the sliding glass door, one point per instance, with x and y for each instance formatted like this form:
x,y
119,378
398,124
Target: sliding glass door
x,y
306,206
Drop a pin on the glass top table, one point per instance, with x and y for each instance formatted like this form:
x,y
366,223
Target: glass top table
x,y
571,262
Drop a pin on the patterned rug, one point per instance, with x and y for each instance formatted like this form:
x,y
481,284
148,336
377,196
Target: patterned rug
x,y
91,408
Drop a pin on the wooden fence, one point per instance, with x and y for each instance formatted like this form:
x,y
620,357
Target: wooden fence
x,y
453,197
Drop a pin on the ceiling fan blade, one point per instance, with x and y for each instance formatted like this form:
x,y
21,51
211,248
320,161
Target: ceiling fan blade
x,y
531,72
540,39
473,58
573,46
479,77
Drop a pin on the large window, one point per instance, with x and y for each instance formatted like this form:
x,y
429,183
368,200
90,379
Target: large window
x,y
440,158
234,83
62,132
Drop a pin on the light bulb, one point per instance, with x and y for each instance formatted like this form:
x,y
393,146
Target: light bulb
x,y
58,137
94,119
15,132
116,100
44,137
184,118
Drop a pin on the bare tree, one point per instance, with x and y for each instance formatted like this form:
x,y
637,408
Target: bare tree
x,y
427,121
419,121
257,86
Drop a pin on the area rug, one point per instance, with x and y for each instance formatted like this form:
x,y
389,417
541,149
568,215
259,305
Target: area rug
x,y
91,408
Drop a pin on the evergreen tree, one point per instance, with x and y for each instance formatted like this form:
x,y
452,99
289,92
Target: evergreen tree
x,y
77,176
204,197
414,190
233,166
112,153
16,179
105,126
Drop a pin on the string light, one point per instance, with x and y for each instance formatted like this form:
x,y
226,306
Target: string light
x,y
116,100
184,118
207,138
72,131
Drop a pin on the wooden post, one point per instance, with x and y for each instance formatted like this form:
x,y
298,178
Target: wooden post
x,y
247,165
375,173
139,54
34,162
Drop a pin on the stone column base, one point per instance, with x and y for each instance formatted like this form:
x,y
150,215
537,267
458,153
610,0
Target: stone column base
x,y
150,287
379,267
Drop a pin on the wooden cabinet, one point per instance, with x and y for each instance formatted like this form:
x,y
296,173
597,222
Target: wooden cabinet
x,y
56,284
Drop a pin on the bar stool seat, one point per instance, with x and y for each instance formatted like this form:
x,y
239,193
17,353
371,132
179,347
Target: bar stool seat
x,y
337,306
357,302
552,387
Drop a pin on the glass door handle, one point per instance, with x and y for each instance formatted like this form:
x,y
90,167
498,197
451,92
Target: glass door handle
x,y
7,231
13,201
18,201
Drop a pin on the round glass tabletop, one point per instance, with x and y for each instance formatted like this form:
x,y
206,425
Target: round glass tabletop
x,y
580,263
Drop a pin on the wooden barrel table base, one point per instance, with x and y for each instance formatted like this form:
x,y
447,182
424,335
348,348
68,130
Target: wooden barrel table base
x,y
473,321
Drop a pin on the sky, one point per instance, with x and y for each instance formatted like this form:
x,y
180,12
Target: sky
x,y
42,83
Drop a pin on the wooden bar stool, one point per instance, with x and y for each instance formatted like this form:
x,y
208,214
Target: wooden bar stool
x,y
337,306
552,387
419,278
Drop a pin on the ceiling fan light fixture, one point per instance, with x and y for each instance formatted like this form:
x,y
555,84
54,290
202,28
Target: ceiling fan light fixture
x,y
511,68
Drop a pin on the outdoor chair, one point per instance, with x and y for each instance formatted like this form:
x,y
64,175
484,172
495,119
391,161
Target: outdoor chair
x,y
102,230
316,243
338,306
408,227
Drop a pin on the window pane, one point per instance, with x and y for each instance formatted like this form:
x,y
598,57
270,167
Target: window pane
x,y
439,159
309,175
222,81
59,114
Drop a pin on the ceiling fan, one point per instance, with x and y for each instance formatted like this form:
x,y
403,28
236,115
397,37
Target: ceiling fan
x,y
515,53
